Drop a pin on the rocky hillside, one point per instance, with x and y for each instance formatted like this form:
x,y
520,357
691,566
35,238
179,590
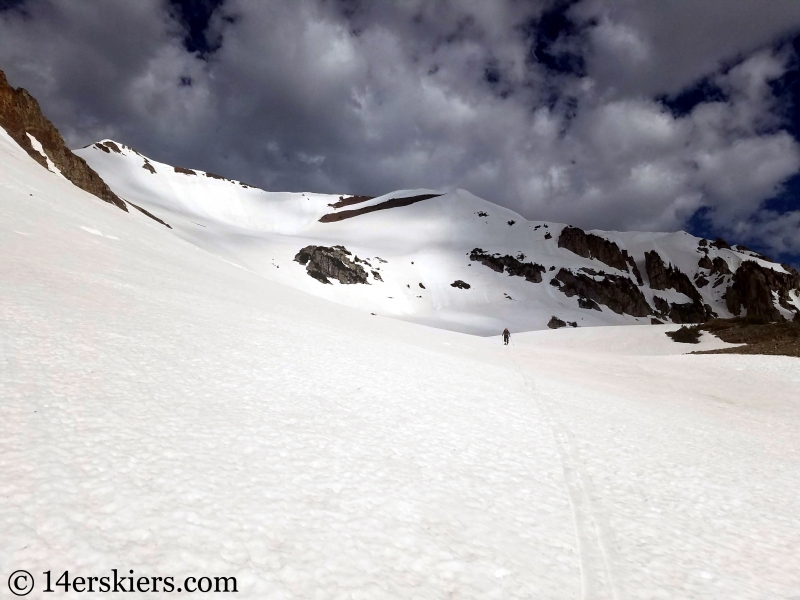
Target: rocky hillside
x,y
447,259
22,118
453,260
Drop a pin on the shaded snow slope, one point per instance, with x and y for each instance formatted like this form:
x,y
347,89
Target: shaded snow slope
x,y
167,412
427,243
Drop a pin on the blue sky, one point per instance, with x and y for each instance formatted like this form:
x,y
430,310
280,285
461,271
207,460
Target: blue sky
x,y
611,114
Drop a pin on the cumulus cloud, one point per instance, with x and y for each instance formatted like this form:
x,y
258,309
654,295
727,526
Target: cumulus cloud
x,y
555,109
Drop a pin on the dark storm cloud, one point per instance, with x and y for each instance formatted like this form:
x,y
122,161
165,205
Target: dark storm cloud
x,y
616,114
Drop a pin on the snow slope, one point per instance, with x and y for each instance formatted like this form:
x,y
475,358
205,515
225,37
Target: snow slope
x,y
427,243
167,412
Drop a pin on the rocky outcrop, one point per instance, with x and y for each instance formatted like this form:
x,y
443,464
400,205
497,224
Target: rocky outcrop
x,y
322,263
662,306
588,304
393,203
556,323
705,263
752,290
461,285
721,244
530,271
668,277
350,200
20,115
720,267
589,245
616,292
690,312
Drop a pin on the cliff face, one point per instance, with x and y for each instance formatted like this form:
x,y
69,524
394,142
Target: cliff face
x,y
513,266
589,245
664,277
20,115
616,292
755,287
322,263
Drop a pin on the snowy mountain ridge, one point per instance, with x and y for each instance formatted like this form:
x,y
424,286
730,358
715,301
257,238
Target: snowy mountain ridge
x,y
169,412
451,259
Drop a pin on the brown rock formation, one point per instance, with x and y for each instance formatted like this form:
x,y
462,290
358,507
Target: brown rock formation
x,y
616,292
589,245
21,115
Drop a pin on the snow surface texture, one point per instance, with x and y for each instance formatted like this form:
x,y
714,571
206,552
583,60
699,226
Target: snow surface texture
x,y
167,412
426,243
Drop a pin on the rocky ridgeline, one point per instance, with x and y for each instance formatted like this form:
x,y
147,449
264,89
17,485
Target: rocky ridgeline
x,y
750,289
21,115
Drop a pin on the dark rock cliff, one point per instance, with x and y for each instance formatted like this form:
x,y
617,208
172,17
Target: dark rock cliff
x,y
20,115
589,245
664,277
530,271
616,292
752,290
322,262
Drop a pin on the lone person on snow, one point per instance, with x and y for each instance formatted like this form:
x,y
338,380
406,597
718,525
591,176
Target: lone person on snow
x,y
506,335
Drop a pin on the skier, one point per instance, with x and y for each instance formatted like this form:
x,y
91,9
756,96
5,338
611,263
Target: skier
x,y
506,335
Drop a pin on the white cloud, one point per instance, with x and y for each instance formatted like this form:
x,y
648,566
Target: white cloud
x,y
392,95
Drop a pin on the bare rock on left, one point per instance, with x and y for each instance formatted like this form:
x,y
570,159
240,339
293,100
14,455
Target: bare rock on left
x,y
20,115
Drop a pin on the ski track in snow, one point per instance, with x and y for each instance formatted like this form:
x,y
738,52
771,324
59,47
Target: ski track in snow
x,y
596,578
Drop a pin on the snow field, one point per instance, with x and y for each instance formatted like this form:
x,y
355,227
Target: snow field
x,y
168,412
428,242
